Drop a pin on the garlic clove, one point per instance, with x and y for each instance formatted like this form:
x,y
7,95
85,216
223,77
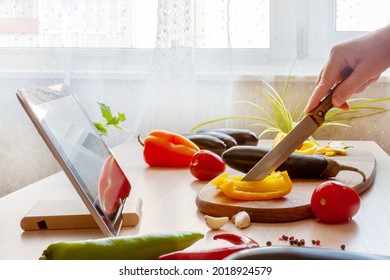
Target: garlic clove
x,y
215,223
241,220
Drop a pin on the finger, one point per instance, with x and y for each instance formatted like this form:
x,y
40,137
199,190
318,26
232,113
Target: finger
x,y
328,77
344,106
319,78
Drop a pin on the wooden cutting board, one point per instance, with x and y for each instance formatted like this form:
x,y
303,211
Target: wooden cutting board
x,y
294,206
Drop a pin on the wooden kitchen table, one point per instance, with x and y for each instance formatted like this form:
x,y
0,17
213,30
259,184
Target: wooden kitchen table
x,y
168,204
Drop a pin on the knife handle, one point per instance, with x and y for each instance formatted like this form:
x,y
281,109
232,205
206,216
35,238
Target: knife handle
x,y
319,112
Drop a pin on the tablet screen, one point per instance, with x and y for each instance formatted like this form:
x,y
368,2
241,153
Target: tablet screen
x,y
81,151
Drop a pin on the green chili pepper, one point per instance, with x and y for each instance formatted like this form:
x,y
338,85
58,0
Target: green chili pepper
x,y
144,247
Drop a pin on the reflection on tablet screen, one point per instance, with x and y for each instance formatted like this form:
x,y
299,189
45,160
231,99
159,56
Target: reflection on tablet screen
x,y
82,153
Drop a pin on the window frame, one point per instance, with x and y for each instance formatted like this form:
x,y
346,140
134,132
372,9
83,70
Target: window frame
x,y
321,19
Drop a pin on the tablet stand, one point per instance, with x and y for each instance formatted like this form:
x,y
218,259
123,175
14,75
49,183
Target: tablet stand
x,y
73,214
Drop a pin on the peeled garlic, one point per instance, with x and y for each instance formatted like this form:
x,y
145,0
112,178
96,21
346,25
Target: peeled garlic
x,y
215,223
241,220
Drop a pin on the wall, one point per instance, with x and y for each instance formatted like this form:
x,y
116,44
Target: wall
x,y
26,159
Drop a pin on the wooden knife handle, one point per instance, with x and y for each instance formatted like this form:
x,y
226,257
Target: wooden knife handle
x,y
319,112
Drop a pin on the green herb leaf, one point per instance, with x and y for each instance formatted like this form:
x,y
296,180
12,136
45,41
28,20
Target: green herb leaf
x,y
101,128
106,111
110,119
121,117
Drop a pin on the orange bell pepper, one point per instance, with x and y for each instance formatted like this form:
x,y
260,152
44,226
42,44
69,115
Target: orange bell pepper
x,y
166,149
276,185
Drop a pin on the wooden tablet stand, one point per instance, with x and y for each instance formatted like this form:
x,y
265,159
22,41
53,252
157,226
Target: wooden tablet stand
x,y
73,214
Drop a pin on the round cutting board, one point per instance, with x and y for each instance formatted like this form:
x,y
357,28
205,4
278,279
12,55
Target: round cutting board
x,y
294,206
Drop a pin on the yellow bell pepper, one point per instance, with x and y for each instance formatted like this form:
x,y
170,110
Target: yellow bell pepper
x,y
276,185
307,148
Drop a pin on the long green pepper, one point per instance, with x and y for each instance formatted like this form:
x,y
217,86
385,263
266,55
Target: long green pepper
x,y
144,247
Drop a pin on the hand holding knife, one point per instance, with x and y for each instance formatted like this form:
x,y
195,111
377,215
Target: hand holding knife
x,y
293,140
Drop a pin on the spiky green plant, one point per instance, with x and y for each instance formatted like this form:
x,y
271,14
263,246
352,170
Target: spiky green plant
x,y
281,119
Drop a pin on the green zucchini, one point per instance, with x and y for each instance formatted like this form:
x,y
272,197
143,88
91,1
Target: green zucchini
x,y
243,158
243,136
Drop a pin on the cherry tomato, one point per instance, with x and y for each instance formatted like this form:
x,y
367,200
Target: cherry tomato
x,y
334,202
206,165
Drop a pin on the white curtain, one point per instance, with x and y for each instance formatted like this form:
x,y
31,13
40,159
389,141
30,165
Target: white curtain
x,y
174,98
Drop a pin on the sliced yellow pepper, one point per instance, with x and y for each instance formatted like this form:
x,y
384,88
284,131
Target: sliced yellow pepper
x,y
307,148
333,149
276,185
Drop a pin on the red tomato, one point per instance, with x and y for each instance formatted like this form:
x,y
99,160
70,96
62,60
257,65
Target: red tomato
x,y
334,202
206,165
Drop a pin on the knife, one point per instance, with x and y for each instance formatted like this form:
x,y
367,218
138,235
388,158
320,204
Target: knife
x,y
292,141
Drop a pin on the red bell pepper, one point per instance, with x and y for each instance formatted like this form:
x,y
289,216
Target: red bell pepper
x,y
241,242
166,149
113,186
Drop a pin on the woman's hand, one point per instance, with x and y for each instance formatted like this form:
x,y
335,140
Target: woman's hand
x,y
360,62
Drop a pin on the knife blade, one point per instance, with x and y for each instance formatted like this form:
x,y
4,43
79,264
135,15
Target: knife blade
x,y
292,141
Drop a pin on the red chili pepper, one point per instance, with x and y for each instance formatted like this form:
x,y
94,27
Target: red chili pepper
x,y
166,149
236,239
241,243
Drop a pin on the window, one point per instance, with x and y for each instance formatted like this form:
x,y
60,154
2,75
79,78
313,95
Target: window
x,y
77,24
129,23
232,24
362,15
330,22
244,33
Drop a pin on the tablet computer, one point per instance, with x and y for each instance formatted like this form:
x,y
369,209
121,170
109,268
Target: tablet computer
x,y
82,153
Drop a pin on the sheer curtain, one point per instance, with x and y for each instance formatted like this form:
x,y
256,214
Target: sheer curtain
x,y
174,97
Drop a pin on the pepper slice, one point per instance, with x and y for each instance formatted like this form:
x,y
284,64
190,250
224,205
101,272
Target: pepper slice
x,y
276,185
307,148
333,149
166,149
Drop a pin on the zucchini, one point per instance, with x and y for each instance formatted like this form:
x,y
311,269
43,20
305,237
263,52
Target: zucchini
x,y
243,158
243,136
